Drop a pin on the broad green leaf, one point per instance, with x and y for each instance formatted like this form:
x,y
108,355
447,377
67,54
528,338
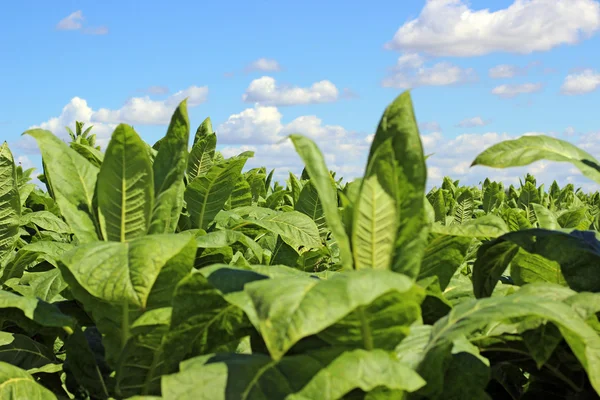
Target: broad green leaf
x,y
125,187
241,196
465,205
46,220
493,258
33,254
374,227
203,151
206,195
296,228
46,285
321,179
203,321
10,204
326,374
469,316
398,123
223,238
17,384
575,219
91,154
308,203
169,169
528,149
23,352
140,365
72,180
123,272
493,196
36,310
286,310
529,268
487,226
443,256
546,218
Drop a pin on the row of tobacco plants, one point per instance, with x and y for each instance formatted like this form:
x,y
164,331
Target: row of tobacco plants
x,y
154,272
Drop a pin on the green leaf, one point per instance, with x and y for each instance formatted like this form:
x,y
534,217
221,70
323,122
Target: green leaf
x,y
487,226
203,151
443,256
472,315
294,227
528,149
23,352
169,169
374,227
546,218
308,203
223,238
125,187
206,195
10,204
203,321
17,384
324,374
91,154
46,220
36,310
123,272
72,180
398,123
286,310
320,177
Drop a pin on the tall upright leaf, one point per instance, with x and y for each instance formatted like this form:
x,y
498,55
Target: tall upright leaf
x,y
203,151
398,123
73,181
374,227
320,177
125,187
10,203
206,195
169,169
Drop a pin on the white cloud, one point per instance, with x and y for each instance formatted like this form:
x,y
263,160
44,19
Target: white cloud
x,y
508,91
472,122
136,111
410,72
71,22
581,83
504,71
74,22
430,126
266,92
451,28
264,64
145,111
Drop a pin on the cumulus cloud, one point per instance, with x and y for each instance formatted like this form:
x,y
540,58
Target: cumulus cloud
x,y
452,28
583,82
260,129
504,71
74,22
410,71
264,65
472,122
145,111
509,91
266,92
430,126
136,111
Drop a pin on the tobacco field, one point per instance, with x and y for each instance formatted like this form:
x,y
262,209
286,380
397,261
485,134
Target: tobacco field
x,y
168,272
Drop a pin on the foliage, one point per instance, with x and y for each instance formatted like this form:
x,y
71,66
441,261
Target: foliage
x,y
162,272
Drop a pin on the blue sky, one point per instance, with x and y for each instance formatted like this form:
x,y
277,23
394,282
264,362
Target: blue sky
x,y
479,71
